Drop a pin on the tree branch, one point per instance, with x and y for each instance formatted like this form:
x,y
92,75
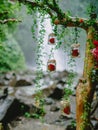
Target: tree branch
x,y
9,20
74,22
56,9
3,13
54,2
36,4
62,18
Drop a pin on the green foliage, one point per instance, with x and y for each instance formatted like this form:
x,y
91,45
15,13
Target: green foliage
x,y
11,56
7,11
67,93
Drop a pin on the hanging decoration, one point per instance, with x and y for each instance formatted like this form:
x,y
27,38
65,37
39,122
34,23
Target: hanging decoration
x,y
81,20
75,52
51,65
65,107
51,39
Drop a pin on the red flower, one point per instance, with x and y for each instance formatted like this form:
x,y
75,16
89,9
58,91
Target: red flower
x,y
52,40
51,67
81,20
67,110
95,53
95,42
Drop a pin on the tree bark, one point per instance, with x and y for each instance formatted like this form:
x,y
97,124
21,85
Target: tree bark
x,y
85,89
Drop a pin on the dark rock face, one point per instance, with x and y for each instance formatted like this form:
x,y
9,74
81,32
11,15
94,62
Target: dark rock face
x,y
22,82
70,127
96,126
11,108
57,94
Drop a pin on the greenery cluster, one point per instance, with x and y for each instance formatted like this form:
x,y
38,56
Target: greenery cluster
x,y
11,56
87,108
43,7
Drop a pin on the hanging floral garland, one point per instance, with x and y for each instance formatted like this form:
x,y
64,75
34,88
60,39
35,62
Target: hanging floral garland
x,y
51,39
51,63
75,47
65,107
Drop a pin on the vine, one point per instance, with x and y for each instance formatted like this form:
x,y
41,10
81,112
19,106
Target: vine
x,y
87,107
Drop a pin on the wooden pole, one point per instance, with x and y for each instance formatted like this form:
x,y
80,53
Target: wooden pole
x,y
85,89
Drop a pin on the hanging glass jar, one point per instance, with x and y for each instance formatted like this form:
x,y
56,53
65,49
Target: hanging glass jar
x,y
51,65
75,50
65,107
51,39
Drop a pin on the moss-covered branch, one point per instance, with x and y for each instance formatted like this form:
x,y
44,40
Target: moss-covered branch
x,y
9,20
37,4
75,22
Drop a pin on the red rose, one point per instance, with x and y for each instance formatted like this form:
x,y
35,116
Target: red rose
x,y
52,40
67,110
51,67
95,42
95,53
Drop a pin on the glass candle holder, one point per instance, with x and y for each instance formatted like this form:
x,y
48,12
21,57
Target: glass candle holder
x,y
75,50
51,39
65,107
51,65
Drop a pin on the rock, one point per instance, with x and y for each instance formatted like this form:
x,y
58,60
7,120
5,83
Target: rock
x,y
54,108
70,127
9,75
57,93
63,117
1,83
10,108
22,82
62,81
49,101
12,81
96,126
95,108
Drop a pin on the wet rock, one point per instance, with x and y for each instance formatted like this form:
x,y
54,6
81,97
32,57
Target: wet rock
x,y
57,93
11,108
12,81
94,111
49,101
9,75
4,94
2,82
22,82
62,81
70,127
54,108
63,117
96,126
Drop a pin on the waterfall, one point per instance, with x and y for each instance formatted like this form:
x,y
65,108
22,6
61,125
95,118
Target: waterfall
x,y
59,55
